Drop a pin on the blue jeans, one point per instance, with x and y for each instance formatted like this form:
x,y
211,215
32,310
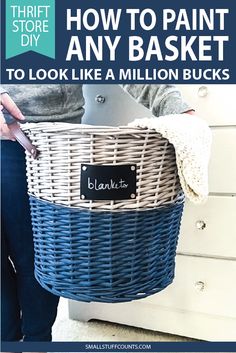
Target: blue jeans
x,y
28,311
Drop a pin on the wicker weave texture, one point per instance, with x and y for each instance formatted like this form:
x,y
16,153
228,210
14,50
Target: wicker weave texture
x,y
55,175
104,256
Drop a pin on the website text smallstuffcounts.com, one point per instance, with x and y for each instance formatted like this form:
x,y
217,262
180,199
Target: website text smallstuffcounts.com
x,y
118,346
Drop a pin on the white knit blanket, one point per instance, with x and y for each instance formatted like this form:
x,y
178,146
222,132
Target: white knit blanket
x,y
191,138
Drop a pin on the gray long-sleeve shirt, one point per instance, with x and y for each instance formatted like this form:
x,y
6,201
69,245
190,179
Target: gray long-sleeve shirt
x,y
64,103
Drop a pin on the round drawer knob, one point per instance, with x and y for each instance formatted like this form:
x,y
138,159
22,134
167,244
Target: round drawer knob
x,y
100,99
200,286
200,225
203,91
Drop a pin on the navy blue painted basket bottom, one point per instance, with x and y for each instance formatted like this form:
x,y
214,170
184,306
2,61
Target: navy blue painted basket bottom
x,y
104,256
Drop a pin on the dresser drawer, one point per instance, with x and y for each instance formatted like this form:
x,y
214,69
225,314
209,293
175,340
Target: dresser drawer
x,y
222,167
201,285
110,105
215,103
209,229
199,303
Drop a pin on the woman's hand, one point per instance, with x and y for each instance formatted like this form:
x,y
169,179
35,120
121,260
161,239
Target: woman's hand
x,y
9,104
4,130
191,112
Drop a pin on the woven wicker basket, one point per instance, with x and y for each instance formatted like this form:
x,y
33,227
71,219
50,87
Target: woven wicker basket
x,y
107,250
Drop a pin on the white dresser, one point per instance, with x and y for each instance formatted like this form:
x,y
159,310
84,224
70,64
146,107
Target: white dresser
x,y
201,302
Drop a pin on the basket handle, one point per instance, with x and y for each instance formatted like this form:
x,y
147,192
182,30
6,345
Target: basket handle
x,y
19,134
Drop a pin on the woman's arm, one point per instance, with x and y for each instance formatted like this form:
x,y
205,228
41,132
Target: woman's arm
x,y
159,99
7,103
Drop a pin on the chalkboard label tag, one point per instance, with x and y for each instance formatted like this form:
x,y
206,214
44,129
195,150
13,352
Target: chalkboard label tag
x,y
108,182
